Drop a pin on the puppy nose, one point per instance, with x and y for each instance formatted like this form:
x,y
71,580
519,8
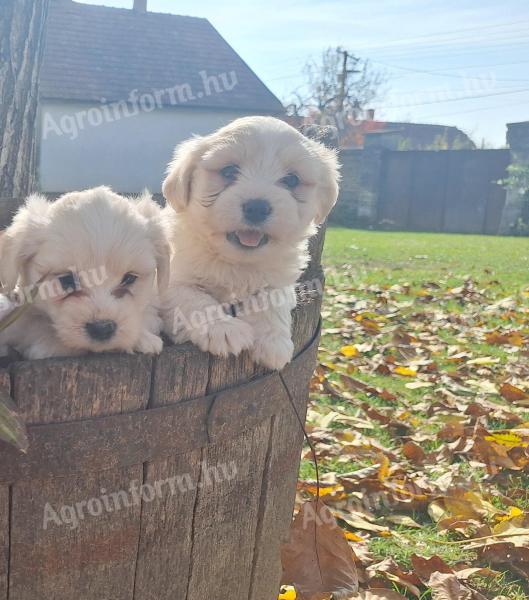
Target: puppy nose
x,y
101,330
256,211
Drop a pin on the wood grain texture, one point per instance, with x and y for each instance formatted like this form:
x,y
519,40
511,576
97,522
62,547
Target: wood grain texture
x,y
5,387
226,510
94,560
286,438
4,540
75,389
118,441
22,30
225,516
164,550
279,482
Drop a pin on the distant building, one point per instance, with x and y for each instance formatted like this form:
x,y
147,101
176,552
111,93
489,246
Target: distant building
x,y
370,133
120,88
417,136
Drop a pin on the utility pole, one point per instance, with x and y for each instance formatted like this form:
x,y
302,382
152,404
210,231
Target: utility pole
x,y
343,76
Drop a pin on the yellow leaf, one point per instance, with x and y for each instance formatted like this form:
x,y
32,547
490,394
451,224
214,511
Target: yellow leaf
x,y
349,351
383,471
287,592
509,440
352,537
513,513
405,371
422,293
368,315
329,365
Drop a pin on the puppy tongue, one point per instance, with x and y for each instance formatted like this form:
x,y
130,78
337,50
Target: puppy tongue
x,y
250,238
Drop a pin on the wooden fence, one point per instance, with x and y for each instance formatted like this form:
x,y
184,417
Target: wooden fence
x,y
446,191
452,191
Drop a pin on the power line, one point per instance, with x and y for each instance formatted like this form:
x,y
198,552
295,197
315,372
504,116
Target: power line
x,y
472,110
479,27
454,52
490,95
488,65
437,73
497,36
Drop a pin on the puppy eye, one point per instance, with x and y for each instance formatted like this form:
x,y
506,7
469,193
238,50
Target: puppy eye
x,y
230,173
128,279
69,282
290,181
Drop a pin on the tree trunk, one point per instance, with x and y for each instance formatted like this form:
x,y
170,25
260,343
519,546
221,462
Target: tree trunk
x,y
22,26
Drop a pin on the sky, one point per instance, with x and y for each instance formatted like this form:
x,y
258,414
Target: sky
x,y
452,62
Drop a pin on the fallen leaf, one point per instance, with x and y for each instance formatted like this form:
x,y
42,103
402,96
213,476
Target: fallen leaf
x,y
405,371
514,394
349,351
287,592
446,586
318,559
413,452
513,338
425,567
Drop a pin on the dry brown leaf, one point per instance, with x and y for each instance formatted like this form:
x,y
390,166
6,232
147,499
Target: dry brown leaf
x,y
425,567
514,394
413,452
391,571
318,560
512,338
446,586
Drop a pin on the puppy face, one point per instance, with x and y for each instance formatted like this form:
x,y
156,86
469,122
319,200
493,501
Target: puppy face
x,y
95,255
253,187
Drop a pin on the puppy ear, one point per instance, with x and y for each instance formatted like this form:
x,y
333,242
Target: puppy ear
x,y
21,241
150,209
329,183
177,185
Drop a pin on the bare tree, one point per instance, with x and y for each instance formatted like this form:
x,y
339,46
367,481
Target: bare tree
x,y
22,25
339,85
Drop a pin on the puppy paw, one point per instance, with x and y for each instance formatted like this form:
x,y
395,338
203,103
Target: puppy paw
x,y
273,352
149,343
225,337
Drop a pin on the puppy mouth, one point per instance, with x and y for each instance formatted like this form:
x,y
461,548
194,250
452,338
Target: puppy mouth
x,y
248,239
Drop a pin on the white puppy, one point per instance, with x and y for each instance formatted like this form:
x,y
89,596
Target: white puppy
x,y
94,257
246,199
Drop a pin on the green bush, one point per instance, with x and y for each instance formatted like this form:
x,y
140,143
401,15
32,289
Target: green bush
x,y
518,181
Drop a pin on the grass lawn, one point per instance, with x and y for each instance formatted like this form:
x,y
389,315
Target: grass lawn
x,y
420,406
394,257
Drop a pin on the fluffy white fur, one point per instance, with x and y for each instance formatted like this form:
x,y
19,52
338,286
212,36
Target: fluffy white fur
x,y
99,237
210,265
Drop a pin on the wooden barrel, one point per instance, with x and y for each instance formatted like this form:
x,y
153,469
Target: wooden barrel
x,y
166,478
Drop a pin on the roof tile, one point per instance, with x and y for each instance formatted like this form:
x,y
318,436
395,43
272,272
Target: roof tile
x,y
97,52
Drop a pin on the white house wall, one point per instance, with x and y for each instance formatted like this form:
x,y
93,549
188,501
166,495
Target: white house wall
x,y
81,148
